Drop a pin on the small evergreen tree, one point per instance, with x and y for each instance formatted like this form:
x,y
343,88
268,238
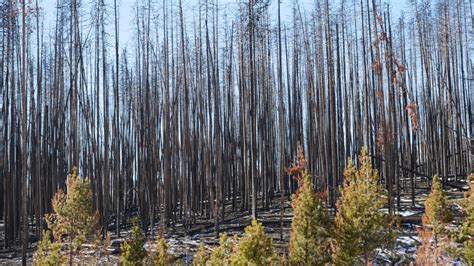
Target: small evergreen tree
x,y
74,219
221,254
360,225
133,250
255,248
433,233
311,225
201,257
437,211
48,253
162,257
465,237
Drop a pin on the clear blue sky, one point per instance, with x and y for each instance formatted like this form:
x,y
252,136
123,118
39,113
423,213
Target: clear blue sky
x,y
228,7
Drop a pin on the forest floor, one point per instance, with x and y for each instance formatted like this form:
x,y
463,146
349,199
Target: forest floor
x,y
183,245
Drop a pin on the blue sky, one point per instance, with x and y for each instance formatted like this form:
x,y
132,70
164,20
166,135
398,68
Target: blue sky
x,y
228,7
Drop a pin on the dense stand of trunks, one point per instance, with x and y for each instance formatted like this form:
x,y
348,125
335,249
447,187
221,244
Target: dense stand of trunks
x,y
208,105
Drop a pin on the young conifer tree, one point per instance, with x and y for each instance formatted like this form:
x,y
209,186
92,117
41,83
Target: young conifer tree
x,y
254,248
433,233
74,220
221,255
162,257
360,225
465,237
437,210
201,257
133,250
311,226
48,252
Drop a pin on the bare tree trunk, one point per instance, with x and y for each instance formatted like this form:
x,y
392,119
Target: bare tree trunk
x,y
24,137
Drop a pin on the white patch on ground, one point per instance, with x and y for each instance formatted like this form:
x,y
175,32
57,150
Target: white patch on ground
x,y
406,240
406,213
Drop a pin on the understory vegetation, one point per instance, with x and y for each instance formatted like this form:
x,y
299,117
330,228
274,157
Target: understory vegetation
x,y
359,229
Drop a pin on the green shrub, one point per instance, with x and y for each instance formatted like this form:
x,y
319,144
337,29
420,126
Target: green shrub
x,y
360,225
133,251
162,257
310,227
221,255
74,220
437,210
48,253
465,236
201,257
433,233
254,248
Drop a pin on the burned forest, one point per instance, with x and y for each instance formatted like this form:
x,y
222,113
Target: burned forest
x,y
185,116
